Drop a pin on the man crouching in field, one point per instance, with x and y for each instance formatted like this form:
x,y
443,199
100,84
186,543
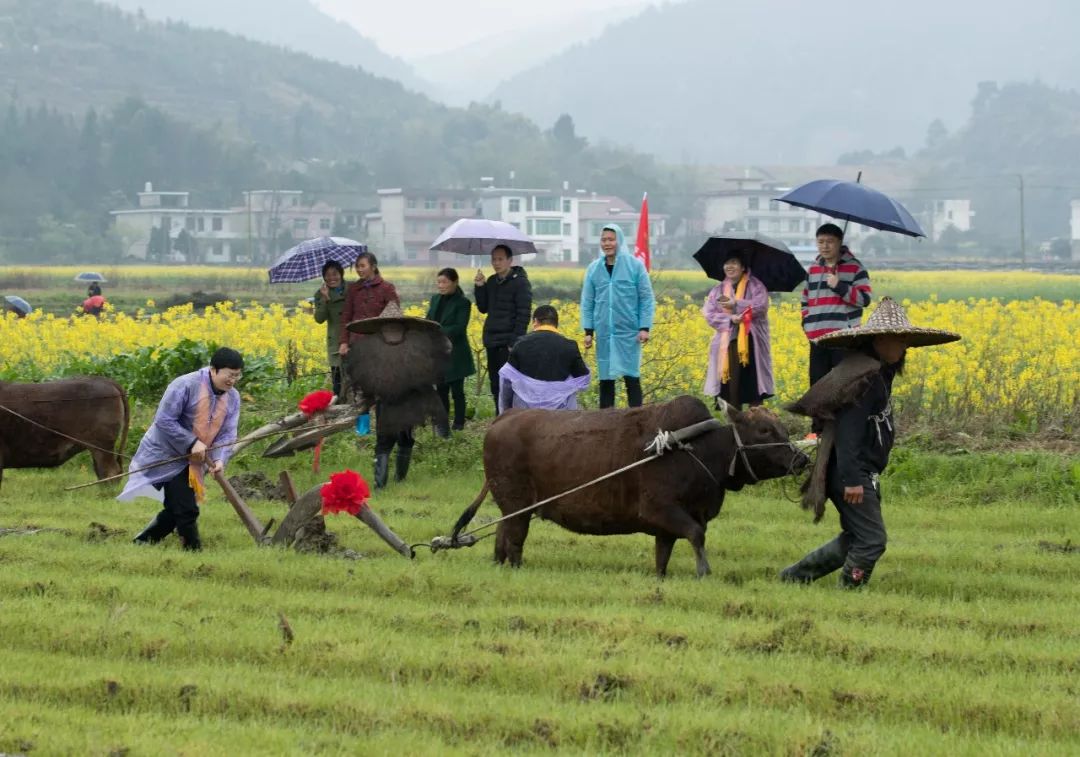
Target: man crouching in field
x,y
854,400
199,411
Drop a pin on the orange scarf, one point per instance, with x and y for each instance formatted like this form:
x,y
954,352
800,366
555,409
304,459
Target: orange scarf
x,y
206,428
744,329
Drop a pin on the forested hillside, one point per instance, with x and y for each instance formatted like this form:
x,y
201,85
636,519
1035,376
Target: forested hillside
x,y
211,110
1014,130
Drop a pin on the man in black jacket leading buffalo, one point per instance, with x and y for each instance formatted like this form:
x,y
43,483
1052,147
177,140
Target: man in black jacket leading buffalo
x,y
505,298
853,401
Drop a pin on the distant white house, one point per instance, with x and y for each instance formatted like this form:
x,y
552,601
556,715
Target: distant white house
x,y
942,215
223,235
597,211
409,220
549,218
564,224
750,205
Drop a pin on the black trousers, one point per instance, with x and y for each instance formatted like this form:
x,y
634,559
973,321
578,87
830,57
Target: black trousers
x,y
335,377
384,443
822,360
180,513
742,389
496,359
633,392
862,526
457,389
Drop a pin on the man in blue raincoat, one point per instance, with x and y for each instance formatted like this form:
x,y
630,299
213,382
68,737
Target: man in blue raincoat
x,y
617,307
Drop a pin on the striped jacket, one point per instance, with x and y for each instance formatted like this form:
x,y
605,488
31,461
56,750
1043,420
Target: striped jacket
x,y
824,309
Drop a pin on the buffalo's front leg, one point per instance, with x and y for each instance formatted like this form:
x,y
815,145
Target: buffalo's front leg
x,y
674,520
664,545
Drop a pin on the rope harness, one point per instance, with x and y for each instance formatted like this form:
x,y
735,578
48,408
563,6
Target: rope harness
x,y
884,418
740,454
662,443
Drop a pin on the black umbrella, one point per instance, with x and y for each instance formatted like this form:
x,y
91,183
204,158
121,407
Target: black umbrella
x,y
769,259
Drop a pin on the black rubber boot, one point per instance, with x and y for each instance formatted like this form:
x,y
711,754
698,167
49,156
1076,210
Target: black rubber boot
x,y
382,469
821,562
402,468
189,537
853,577
156,530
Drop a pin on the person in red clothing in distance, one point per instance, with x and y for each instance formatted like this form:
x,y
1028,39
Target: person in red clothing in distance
x,y
836,291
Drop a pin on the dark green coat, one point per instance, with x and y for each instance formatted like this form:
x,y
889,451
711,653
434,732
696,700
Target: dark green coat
x,y
453,316
330,314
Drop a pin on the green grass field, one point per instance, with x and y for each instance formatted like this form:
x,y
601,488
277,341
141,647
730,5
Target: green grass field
x,y
966,641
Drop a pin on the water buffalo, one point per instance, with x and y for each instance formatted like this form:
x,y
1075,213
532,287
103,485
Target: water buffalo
x,y
530,455
92,411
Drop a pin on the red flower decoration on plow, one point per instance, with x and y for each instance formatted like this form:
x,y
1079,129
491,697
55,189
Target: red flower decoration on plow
x,y
316,402
347,492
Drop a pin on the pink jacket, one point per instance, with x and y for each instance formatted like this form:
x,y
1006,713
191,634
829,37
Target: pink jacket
x,y
726,324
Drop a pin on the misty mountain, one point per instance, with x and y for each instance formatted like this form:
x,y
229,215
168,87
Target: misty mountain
x,y
296,24
471,72
774,81
100,101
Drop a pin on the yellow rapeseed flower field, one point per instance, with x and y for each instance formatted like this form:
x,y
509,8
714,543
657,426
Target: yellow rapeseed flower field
x,y
1019,360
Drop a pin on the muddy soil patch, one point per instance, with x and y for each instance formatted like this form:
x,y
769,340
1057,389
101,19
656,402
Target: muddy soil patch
x,y
256,485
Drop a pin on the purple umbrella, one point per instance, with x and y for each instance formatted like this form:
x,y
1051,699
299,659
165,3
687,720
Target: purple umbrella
x,y
305,261
478,236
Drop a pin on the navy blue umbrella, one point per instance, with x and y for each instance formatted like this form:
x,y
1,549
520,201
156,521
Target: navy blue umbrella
x,y
769,260
305,261
88,276
852,201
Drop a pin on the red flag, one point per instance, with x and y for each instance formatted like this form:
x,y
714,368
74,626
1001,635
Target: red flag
x,y
641,246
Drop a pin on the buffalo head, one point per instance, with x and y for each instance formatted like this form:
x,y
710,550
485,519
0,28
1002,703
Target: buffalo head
x,y
763,448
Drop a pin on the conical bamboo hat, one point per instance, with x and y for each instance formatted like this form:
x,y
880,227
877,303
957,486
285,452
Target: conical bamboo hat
x,y
390,314
888,320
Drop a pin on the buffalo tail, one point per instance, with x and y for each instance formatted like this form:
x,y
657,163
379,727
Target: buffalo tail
x,y
470,511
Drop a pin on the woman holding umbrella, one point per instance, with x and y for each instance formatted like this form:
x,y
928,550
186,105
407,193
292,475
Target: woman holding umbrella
x,y
329,302
740,355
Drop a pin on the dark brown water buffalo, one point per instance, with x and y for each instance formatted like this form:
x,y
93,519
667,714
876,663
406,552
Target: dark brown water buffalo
x,y
530,455
93,411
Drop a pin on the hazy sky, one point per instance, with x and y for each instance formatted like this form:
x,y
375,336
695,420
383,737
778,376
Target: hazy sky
x,y
412,28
